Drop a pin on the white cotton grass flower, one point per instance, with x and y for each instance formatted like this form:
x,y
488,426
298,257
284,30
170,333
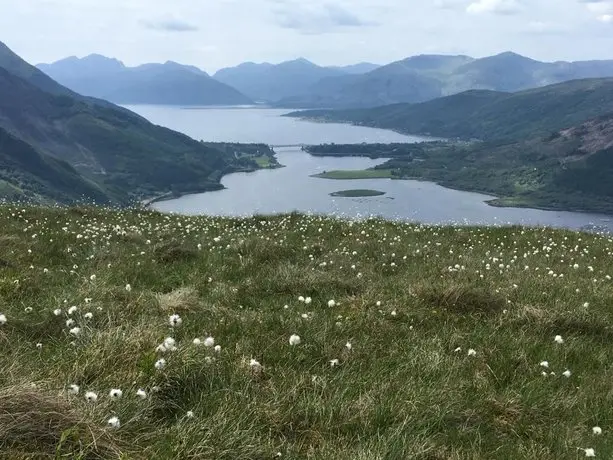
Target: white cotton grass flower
x,y
113,422
175,320
189,414
544,364
160,364
308,300
300,299
169,344
92,278
28,309
334,362
294,340
217,348
115,393
91,397
472,352
255,365
161,348
128,288
76,331
197,341
597,430
209,342
331,303
72,310
39,346
73,389
348,346
57,312
457,350
2,319
142,394
566,373
558,339
88,315
589,452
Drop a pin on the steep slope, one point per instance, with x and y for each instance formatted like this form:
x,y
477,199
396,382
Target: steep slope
x,y
357,69
271,83
170,83
27,174
487,114
123,153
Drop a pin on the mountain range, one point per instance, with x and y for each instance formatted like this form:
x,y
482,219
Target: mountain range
x,y
169,83
56,144
303,84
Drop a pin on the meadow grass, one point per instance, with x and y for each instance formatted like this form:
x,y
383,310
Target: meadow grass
x,y
415,342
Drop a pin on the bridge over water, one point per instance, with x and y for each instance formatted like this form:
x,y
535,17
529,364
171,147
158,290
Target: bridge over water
x,y
287,146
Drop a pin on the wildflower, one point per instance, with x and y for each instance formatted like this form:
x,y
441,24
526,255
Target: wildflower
x,y
39,345
128,288
91,397
348,346
88,315
566,373
113,422
586,304
2,320
472,352
73,389
255,365
72,310
558,339
160,364
76,331
57,312
115,393
597,430
331,303
189,414
589,452
142,394
544,364
209,342
197,342
334,362
378,303
28,309
457,350
294,340
175,320
92,278
308,300
217,348
301,299
161,348
170,343
394,313
70,322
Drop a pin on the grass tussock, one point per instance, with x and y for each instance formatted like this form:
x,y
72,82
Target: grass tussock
x,y
37,423
300,337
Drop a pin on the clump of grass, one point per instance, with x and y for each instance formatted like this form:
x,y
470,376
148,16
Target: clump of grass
x,y
414,341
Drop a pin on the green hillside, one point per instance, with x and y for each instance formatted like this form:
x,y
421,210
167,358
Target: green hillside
x,y
440,343
124,155
487,115
569,170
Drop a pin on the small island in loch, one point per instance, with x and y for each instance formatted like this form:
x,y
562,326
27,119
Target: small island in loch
x,y
355,193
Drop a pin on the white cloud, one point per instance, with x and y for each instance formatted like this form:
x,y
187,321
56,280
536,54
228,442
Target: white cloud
x,y
600,7
606,18
494,7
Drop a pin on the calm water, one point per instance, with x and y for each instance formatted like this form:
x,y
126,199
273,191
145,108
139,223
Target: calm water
x,y
291,188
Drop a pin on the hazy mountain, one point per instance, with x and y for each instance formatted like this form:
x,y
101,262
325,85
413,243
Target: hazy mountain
x,y
270,83
425,77
488,115
170,83
113,154
357,69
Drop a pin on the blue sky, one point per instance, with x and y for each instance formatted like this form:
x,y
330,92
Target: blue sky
x,y
217,33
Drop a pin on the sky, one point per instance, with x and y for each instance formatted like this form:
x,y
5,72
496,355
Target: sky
x,y
212,34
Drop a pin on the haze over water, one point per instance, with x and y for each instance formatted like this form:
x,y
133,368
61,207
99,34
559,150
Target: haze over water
x,y
293,189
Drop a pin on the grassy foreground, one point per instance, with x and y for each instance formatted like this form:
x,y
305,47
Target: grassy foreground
x,y
414,341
